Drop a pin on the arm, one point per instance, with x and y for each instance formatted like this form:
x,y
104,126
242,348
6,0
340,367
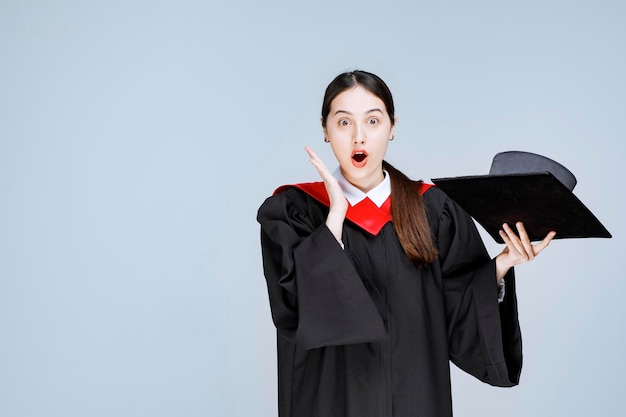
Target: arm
x,y
484,335
316,296
338,202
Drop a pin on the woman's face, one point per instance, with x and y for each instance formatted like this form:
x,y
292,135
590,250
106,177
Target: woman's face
x,y
359,129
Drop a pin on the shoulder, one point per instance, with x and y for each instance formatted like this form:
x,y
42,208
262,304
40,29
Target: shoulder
x,y
443,212
434,198
316,190
293,200
439,207
286,195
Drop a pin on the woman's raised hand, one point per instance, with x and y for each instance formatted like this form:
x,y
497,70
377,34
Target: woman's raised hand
x,y
338,202
518,249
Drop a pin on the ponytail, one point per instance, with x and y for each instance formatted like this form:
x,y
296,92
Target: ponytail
x,y
409,218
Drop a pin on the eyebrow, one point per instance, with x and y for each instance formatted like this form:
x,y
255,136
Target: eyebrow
x,y
376,109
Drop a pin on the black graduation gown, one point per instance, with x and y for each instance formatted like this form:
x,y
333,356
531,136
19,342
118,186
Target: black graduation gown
x,y
362,332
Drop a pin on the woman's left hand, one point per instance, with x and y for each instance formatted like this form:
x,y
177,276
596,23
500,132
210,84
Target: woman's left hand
x,y
518,249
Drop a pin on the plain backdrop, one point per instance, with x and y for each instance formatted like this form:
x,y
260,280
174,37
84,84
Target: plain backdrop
x,y
138,139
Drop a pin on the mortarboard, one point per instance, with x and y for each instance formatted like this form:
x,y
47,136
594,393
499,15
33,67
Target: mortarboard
x,y
526,187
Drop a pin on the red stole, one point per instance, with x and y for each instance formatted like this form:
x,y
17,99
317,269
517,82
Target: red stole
x,y
365,214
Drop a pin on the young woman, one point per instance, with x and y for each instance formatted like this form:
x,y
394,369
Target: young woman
x,y
376,282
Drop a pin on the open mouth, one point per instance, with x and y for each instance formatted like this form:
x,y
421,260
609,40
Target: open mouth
x,y
359,158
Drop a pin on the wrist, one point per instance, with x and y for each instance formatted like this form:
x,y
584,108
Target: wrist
x,y
334,222
502,267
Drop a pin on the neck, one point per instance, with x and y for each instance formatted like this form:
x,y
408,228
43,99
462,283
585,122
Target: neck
x,y
367,183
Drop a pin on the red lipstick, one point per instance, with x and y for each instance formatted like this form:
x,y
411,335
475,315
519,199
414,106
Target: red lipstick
x,y
359,158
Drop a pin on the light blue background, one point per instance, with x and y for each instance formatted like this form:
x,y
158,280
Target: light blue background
x,y
138,138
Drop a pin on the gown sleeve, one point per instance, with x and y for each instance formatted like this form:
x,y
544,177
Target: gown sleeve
x,y
484,335
316,296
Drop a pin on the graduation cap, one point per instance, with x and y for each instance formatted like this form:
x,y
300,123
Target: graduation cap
x,y
526,187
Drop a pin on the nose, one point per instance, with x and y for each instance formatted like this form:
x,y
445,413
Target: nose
x,y
359,136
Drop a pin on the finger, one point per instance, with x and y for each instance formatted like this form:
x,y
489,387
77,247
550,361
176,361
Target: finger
x,y
318,163
525,241
506,239
316,159
514,239
544,243
312,154
508,242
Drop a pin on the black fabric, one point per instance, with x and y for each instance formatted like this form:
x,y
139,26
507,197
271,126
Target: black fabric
x,y
362,332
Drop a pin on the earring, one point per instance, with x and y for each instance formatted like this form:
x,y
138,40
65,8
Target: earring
x,y
392,138
326,140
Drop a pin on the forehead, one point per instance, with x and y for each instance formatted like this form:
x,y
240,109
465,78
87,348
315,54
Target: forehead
x,y
356,100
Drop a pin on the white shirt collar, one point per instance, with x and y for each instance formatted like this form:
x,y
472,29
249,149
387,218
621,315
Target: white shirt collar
x,y
378,194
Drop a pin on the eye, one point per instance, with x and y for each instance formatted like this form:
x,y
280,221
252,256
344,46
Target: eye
x,y
372,121
344,122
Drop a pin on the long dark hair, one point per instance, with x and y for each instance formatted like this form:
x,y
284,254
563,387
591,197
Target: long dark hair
x,y
407,209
